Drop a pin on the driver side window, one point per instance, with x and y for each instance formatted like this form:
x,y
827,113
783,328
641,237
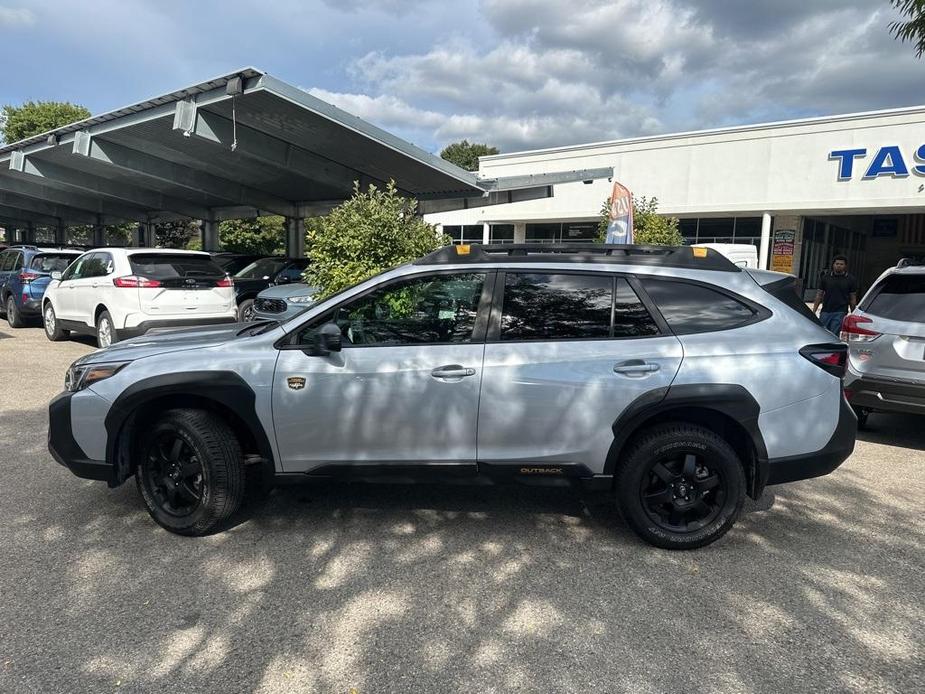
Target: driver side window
x,y
437,309
73,269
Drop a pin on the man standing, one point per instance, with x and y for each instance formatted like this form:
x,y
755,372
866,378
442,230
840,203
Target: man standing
x,y
838,294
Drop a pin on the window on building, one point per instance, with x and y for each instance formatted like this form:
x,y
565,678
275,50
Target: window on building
x,y
688,229
579,232
692,308
543,233
501,233
467,233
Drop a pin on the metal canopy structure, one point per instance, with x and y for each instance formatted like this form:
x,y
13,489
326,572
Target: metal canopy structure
x,y
240,145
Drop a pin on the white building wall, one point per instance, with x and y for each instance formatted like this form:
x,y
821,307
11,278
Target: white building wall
x,y
778,167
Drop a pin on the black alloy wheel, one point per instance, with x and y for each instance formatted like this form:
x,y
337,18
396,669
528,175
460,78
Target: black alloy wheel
x,y
683,494
174,474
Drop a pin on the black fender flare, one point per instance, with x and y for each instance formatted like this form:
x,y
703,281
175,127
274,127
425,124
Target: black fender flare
x,y
728,399
225,388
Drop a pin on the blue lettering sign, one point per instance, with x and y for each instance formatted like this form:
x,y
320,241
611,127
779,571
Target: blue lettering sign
x,y
919,156
880,166
846,161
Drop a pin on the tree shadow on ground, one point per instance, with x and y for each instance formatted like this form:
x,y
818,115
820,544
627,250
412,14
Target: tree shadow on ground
x,y
391,588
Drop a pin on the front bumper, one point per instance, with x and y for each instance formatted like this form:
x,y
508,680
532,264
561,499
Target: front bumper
x,y
823,461
290,312
65,449
145,326
885,395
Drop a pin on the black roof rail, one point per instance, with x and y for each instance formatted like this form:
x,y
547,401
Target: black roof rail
x,y
686,257
912,261
30,246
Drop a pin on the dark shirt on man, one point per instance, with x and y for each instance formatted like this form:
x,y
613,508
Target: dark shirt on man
x,y
838,289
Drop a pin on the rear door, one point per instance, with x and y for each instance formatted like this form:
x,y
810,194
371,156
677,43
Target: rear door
x,y
567,353
175,285
7,258
896,310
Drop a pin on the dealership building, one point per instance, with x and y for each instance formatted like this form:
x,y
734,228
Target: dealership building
x,y
801,190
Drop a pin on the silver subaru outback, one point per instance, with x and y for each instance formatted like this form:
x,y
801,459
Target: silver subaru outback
x,y
669,377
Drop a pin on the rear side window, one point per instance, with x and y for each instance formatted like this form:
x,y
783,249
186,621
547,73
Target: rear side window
x,y
899,297
551,306
17,261
164,266
52,262
693,308
96,265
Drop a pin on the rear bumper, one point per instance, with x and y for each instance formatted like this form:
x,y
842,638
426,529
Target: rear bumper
x,y
65,449
823,461
885,395
145,326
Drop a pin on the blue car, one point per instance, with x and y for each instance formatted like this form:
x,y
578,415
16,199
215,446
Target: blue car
x,y
25,272
282,302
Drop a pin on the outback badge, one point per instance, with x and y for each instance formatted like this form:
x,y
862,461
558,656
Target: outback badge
x,y
296,382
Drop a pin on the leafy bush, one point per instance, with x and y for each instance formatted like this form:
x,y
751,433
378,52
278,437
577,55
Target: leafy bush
x,y
369,233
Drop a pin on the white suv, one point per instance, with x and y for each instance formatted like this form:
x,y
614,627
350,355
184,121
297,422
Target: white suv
x,y
117,293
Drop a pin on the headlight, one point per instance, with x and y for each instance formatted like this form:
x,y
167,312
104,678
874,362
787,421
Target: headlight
x,y
79,376
308,299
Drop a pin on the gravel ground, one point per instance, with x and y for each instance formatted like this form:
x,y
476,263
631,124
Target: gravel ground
x,y
375,588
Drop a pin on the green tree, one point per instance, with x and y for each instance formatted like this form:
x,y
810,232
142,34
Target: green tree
x,y
913,28
369,233
35,117
262,235
466,154
175,234
649,227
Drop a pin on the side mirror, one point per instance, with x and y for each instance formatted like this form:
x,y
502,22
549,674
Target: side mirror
x,y
329,339
56,275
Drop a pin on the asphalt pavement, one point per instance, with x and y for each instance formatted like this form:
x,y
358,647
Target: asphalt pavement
x,y
384,588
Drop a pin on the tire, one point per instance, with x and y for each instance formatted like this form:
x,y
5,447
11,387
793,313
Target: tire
x,y
106,334
680,486
13,316
206,472
53,329
246,311
862,413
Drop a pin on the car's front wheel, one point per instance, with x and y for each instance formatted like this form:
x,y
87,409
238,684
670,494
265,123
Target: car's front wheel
x,y
13,316
52,327
190,471
680,486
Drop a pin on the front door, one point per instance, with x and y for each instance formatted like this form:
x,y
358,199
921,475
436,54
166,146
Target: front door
x,y
403,390
65,298
567,353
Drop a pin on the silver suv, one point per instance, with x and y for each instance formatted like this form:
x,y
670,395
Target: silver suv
x,y
668,376
886,343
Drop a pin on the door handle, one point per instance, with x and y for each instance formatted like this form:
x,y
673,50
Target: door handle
x,y
635,367
452,371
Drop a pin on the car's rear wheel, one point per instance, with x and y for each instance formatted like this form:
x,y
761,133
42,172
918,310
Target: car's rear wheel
x,y
13,316
190,471
52,327
246,311
106,334
680,486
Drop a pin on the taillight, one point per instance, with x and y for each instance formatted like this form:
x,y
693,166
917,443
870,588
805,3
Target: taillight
x,y
135,282
851,330
831,358
27,277
226,281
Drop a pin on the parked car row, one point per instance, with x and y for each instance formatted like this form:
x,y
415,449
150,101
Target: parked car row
x,y
117,293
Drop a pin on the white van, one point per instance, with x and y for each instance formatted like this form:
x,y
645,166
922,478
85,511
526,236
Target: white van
x,y
742,254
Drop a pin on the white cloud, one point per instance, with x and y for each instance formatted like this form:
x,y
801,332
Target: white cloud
x,y
13,16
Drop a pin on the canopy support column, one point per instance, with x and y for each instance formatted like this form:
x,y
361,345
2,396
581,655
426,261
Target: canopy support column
x,y
210,240
765,241
295,237
99,232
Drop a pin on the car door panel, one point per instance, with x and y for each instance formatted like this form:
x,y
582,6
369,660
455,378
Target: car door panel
x,y
403,390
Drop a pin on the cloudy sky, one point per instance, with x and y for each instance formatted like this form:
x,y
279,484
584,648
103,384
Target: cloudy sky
x,y
515,73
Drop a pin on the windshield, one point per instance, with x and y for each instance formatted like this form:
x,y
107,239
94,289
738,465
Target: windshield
x,y
162,266
265,267
899,297
53,262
